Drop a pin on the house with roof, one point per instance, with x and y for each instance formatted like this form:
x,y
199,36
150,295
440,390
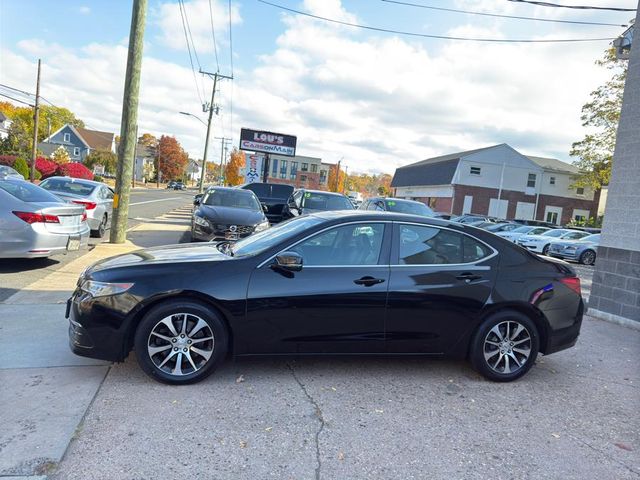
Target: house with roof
x,y
497,181
5,123
78,142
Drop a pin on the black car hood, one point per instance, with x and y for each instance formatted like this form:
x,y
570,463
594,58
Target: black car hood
x,y
230,215
182,253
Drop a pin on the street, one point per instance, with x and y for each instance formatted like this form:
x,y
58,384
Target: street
x,y
145,203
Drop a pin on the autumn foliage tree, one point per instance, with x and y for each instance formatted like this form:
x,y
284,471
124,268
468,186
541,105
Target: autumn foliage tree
x,y
335,182
106,158
232,169
171,158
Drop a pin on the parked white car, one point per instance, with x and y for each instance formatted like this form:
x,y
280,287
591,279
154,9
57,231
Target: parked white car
x,y
540,243
516,233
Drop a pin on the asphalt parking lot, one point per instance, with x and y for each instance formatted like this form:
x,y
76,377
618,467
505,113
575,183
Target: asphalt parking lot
x,y
574,416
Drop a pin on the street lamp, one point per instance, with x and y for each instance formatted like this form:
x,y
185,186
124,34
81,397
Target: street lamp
x,y
194,116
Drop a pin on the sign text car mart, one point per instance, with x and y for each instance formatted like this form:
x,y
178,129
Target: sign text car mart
x,y
267,142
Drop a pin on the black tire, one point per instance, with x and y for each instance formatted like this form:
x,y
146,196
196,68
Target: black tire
x,y
588,257
175,309
545,249
485,333
99,233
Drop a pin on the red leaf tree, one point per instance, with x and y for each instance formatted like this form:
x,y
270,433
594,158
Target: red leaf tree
x,y
172,159
46,167
8,160
75,170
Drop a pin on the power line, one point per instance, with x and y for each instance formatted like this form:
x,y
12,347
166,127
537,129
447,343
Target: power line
x,y
18,90
517,17
193,45
577,7
441,37
213,34
232,76
186,38
15,99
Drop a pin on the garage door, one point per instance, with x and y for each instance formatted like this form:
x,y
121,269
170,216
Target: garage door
x,y
524,210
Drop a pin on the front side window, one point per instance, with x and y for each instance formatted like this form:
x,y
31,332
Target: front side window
x,y
531,180
423,245
357,244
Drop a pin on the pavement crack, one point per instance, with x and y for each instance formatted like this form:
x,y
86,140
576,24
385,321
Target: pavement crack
x,y
603,453
318,414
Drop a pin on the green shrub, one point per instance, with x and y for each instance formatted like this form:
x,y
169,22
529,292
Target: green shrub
x,y
21,166
97,178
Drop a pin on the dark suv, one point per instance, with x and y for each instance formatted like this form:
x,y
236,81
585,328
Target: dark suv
x,y
398,205
309,201
275,197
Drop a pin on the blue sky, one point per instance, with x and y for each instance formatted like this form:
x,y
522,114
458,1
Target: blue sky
x,y
380,100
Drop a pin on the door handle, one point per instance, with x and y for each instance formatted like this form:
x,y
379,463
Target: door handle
x,y
368,281
467,277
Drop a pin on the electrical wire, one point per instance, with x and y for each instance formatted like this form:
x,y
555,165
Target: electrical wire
x,y
213,34
186,38
441,37
232,76
516,17
15,99
577,7
18,90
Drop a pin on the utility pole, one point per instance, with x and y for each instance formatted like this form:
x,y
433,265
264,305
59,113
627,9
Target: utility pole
x,y
128,125
158,163
36,116
338,176
266,166
346,174
215,76
223,151
135,159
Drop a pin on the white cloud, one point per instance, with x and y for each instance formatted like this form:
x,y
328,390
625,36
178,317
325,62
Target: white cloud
x,y
379,101
84,10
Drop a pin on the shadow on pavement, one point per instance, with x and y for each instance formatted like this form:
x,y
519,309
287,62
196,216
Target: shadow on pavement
x,y
15,265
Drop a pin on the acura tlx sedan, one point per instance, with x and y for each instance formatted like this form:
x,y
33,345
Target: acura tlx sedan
x,y
348,282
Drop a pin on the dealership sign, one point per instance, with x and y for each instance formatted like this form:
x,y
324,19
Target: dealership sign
x,y
253,168
267,142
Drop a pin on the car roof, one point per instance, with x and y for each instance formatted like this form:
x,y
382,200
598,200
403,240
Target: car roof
x,y
75,180
379,215
395,199
324,192
228,189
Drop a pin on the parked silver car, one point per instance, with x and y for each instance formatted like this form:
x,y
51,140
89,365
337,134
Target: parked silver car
x,y
6,171
96,197
36,223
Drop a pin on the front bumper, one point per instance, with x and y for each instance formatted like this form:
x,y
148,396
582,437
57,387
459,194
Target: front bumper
x,y
564,255
532,247
208,233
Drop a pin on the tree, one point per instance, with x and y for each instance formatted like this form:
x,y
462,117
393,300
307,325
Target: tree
x,y
601,115
148,171
21,166
232,169
60,155
333,180
106,158
172,160
148,140
212,173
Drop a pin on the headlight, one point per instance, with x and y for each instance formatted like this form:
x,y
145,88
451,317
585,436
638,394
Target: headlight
x,y
103,289
200,221
262,226
570,248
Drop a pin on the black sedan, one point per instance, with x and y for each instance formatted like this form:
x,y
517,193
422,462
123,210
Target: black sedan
x,y
348,282
224,213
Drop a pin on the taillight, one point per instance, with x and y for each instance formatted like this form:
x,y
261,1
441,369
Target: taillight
x,y
573,283
31,217
84,216
87,205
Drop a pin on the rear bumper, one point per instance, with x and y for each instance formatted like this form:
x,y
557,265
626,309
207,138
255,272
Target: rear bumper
x,y
566,337
40,244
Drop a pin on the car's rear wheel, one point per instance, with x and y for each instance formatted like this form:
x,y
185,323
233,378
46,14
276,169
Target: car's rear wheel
x,y
505,346
588,257
545,250
180,342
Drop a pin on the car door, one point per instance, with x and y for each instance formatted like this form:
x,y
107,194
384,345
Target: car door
x,y
439,281
335,304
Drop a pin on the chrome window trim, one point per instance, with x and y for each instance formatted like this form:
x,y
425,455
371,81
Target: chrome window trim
x,y
483,259
322,231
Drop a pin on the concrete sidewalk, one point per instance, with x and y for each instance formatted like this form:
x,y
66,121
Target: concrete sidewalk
x,y
45,390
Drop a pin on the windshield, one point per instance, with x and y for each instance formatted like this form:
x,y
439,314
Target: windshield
x,y
323,201
555,233
524,229
415,208
231,198
64,185
28,192
270,190
573,235
259,242
591,238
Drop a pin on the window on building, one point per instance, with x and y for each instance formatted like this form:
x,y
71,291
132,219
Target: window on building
x,y
314,168
552,217
305,167
474,171
552,180
531,180
323,176
580,190
76,151
303,178
294,170
283,169
274,167
67,137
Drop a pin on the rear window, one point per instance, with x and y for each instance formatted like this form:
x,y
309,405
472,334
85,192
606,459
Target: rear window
x,y
414,208
28,192
64,185
270,190
322,201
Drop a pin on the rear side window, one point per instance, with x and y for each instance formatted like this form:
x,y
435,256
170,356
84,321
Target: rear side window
x,y
422,245
28,192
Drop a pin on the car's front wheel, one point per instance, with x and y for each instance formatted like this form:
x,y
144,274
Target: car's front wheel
x,y
505,346
180,342
588,257
545,249
102,228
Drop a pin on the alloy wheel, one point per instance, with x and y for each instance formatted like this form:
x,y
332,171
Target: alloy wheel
x,y
507,347
588,257
545,250
180,344
102,227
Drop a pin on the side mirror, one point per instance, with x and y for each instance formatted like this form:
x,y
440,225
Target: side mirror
x,y
288,261
197,199
264,207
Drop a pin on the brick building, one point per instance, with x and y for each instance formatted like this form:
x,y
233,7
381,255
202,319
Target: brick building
x,y
299,171
497,181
